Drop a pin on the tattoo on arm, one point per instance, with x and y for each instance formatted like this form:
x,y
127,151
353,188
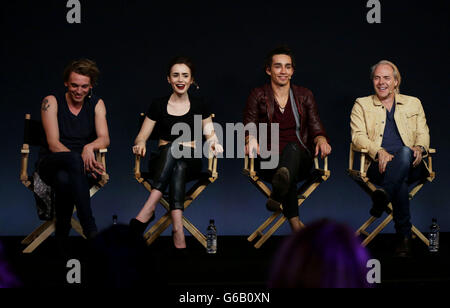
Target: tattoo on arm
x,y
45,105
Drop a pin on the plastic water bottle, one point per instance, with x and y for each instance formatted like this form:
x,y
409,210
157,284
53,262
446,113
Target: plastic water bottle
x,y
114,220
211,238
433,237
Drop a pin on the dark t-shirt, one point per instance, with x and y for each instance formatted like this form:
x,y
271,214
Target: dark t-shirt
x,y
392,142
287,125
164,121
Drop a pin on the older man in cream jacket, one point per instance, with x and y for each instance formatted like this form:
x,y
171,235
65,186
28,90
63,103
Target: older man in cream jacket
x,y
393,128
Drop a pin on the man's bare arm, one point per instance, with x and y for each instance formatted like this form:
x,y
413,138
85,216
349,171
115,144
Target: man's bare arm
x,y
49,116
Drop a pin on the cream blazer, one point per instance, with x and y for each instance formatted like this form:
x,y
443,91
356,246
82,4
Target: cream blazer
x,y
368,121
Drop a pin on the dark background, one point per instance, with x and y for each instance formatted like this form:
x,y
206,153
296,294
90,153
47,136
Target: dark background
x,y
132,42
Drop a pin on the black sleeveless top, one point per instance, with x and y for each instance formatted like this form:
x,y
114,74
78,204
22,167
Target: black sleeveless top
x,y
76,131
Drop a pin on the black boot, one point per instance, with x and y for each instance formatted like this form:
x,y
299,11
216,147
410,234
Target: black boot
x,y
380,200
403,249
280,183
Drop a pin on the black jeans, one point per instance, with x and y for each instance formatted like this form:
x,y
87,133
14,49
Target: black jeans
x,y
65,173
166,170
395,181
299,163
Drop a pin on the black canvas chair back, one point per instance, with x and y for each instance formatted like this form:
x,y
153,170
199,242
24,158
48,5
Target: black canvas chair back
x,y
34,134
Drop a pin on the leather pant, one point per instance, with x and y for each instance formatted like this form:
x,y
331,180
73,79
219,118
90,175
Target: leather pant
x,y
168,171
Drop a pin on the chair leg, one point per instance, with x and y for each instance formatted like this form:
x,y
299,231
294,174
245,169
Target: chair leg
x,y
271,231
367,224
377,230
369,188
94,189
162,224
37,232
39,239
420,235
77,227
194,231
259,231
307,188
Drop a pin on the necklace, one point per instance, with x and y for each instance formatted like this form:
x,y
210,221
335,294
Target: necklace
x,y
282,109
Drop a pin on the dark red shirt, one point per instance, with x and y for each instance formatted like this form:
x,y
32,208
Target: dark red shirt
x,y
287,125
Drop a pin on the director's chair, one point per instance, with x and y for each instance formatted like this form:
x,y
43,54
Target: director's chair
x,y
34,135
317,176
360,177
203,180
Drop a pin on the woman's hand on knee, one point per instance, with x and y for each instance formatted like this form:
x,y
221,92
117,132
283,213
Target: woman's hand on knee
x,y
139,149
216,148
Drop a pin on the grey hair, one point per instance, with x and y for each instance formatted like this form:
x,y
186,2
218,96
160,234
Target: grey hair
x,y
397,75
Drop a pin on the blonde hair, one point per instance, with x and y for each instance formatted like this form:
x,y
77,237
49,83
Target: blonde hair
x,y
397,75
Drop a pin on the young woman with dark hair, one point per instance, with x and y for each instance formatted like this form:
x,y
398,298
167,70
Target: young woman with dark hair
x,y
169,171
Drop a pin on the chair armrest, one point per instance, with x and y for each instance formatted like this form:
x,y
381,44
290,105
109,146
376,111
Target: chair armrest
x,y
25,154
249,165
101,157
212,167
429,166
325,163
364,153
137,166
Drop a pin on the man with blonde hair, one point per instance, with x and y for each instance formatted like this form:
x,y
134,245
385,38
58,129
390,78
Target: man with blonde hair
x,y
393,128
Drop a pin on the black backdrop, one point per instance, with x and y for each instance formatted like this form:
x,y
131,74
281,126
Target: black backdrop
x,y
132,41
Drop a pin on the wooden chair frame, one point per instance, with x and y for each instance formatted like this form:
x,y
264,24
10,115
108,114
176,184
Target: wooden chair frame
x,y
164,222
308,187
360,177
40,234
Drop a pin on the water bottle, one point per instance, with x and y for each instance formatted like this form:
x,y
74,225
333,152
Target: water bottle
x,y
114,220
211,238
433,237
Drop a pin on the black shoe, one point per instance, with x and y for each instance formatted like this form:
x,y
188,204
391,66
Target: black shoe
x,y
63,248
90,236
139,227
179,252
403,249
280,183
380,201
273,205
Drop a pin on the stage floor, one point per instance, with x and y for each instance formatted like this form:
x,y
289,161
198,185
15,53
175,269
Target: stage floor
x,y
236,264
